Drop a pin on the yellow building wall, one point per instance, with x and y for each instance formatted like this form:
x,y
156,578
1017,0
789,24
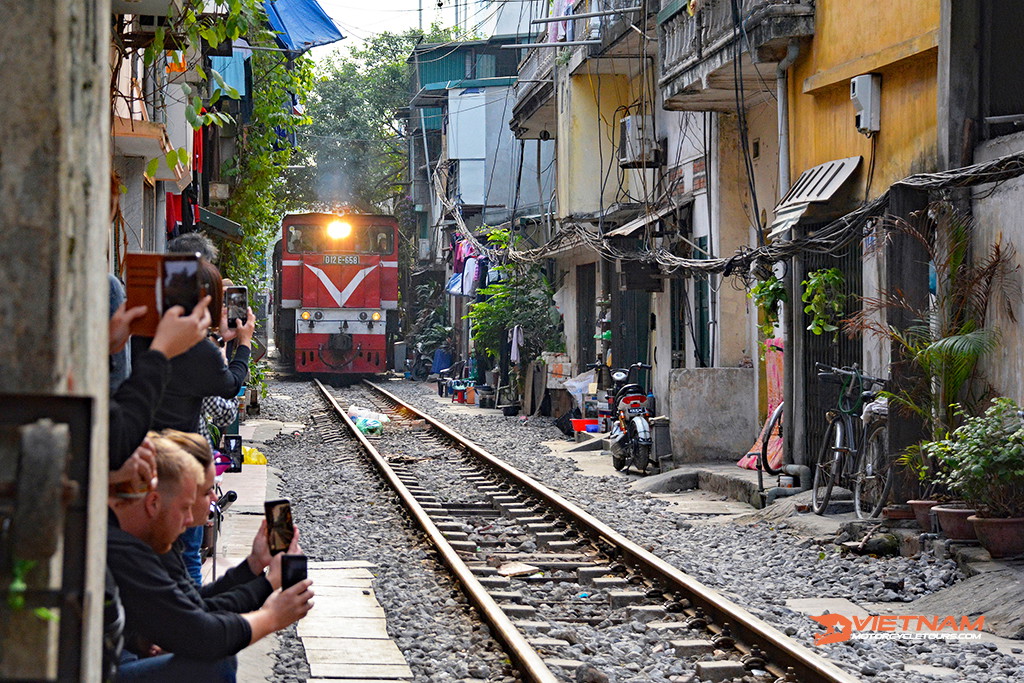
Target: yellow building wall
x,y
897,39
587,142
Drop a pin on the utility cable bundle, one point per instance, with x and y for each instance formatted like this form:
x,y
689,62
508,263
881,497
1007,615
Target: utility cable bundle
x,y
832,238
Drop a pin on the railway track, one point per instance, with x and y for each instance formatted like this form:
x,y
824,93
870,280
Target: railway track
x,y
543,573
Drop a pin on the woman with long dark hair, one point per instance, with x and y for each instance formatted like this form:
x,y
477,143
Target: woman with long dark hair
x,y
206,369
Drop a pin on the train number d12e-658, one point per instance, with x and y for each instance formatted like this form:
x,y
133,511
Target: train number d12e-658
x,y
336,292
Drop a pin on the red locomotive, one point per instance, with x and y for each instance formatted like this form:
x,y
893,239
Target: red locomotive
x,y
336,292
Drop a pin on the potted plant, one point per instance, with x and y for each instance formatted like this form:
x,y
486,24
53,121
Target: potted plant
x,y
916,459
954,520
936,357
983,460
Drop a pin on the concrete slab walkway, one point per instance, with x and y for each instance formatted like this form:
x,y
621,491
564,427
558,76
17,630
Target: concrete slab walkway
x,y
345,635
254,484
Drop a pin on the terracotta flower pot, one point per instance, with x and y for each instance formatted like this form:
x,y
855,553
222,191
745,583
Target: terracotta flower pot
x,y
953,521
922,512
1001,537
896,512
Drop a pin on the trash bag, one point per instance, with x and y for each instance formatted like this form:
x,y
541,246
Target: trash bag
x,y
578,385
356,412
251,456
564,423
369,427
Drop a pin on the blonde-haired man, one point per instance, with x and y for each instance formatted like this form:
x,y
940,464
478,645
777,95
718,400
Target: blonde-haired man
x,y
195,644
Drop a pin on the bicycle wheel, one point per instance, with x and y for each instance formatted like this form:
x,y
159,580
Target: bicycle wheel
x,y
873,477
774,431
828,467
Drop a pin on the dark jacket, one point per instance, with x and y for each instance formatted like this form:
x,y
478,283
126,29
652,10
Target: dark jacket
x,y
134,404
199,372
158,612
238,591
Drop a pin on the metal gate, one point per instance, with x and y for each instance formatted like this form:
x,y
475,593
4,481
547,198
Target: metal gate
x,y
586,314
824,348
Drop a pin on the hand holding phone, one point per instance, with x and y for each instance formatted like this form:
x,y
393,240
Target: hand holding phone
x,y
160,282
280,529
236,301
293,570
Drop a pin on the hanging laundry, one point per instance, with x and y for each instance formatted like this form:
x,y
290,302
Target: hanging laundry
x,y
469,277
515,337
454,284
463,250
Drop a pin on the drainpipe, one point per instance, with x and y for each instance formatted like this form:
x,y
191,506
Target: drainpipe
x,y
789,311
782,95
801,471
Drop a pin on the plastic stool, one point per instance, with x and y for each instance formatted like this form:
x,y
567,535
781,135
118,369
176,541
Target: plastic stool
x,y
458,395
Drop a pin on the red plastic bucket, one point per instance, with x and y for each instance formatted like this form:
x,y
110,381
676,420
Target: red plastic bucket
x,y
580,425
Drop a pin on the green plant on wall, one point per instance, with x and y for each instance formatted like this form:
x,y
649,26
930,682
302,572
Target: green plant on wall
x,y
769,295
522,298
258,199
825,299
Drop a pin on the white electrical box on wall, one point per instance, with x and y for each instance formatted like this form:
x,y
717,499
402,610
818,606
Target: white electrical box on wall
x,y
866,94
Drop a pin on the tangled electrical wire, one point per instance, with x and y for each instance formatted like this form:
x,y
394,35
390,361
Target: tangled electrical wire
x,y
833,238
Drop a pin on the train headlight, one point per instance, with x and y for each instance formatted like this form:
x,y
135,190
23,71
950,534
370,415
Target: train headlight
x,y
319,315
363,315
338,230
304,315
376,316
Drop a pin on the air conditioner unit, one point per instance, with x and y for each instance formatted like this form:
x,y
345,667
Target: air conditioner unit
x,y
424,250
638,147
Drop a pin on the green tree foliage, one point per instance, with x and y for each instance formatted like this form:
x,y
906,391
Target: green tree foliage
x,y
355,149
355,146
259,198
523,298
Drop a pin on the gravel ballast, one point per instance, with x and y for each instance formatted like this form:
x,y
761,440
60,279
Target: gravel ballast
x,y
344,512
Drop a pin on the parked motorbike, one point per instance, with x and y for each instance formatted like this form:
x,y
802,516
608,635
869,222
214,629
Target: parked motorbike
x,y
420,366
631,433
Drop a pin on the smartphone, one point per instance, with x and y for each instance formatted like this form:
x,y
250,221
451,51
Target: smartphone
x,y
293,570
180,282
233,449
159,281
280,529
236,299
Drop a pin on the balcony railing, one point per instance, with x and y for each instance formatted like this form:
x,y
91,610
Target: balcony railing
x,y
694,46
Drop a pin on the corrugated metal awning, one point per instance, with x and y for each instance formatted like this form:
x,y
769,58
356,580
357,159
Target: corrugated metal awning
x,y
224,227
815,185
637,223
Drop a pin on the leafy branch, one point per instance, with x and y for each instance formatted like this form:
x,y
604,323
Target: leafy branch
x,y
768,295
825,299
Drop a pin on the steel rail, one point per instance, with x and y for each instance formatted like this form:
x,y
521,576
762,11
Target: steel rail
x,y
782,651
526,660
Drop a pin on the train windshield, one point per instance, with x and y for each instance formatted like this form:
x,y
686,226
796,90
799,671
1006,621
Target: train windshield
x,y
341,238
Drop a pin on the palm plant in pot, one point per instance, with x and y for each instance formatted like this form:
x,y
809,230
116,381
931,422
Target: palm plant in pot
x,y
983,460
936,356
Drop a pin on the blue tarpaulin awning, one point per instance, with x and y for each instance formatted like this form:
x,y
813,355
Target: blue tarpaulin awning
x,y
301,24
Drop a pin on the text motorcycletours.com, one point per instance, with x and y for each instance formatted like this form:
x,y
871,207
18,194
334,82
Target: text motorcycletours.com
x,y
841,628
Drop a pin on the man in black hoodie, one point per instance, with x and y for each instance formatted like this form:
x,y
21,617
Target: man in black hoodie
x,y
197,645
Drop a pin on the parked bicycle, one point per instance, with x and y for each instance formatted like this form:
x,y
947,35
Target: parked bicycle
x,y
853,453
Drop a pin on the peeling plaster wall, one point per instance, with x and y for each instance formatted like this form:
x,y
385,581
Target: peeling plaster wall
x,y
713,413
54,221
997,214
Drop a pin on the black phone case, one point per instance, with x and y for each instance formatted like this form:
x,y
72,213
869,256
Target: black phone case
x,y
293,570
